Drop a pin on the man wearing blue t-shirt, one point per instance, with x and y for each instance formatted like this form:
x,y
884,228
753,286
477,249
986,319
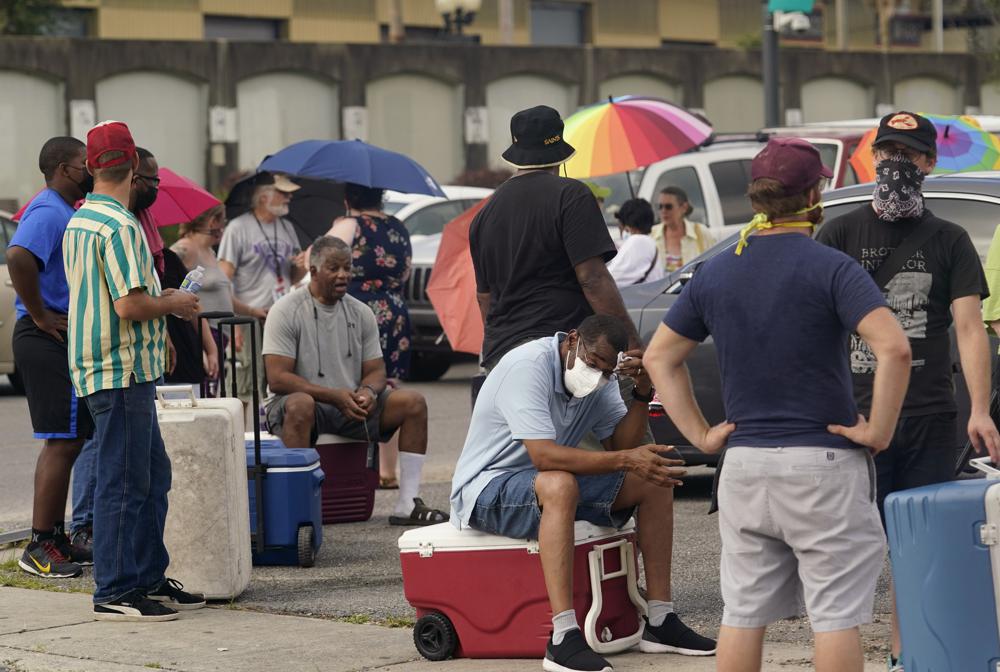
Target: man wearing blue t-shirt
x,y
797,512
35,263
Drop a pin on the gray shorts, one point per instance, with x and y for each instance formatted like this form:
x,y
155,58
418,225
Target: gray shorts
x,y
329,420
799,527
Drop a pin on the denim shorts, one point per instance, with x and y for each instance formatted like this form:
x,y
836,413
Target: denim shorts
x,y
508,506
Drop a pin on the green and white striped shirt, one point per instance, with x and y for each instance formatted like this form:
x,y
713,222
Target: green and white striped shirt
x,y
106,255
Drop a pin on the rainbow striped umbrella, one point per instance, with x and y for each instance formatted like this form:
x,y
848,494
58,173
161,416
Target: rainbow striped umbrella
x,y
962,146
630,132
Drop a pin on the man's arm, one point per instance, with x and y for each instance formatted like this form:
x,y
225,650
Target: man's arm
x,y
139,306
22,266
282,379
239,307
974,353
484,304
881,331
664,360
631,430
643,461
603,295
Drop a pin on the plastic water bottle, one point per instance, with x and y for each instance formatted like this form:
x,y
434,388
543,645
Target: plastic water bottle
x,y
192,281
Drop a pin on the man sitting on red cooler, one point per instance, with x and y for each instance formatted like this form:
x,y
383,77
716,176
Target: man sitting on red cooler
x,y
325,368
521,475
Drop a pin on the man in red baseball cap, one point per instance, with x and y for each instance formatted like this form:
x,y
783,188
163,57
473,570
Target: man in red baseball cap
x,y
116,353
796,514
934,280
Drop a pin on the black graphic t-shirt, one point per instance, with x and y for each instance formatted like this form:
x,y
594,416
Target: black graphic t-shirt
x,y
945,268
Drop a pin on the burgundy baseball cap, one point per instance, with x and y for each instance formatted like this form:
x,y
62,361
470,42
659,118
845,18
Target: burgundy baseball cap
x,y
793,162
109,136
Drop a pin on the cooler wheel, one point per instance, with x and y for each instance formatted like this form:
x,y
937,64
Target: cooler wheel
x,y
434,636
307,554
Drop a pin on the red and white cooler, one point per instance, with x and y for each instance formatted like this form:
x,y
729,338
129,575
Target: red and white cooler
x,y
479,595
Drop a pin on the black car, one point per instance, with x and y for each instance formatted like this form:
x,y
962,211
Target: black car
x,y
971,200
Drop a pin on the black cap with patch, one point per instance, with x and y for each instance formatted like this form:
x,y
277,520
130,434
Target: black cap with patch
x,y
908,129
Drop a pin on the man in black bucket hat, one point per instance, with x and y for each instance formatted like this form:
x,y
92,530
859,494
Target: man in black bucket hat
x,y
540,245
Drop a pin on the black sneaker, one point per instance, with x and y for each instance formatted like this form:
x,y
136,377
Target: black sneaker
x,y
45,559
573,655
78,553
674,637
134,606
171,593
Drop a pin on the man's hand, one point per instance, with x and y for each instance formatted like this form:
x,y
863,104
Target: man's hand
x,y
863,435
632,368
364,398
182,304
348,405
645,462
983,434
52,323
259,313
211,362
715,437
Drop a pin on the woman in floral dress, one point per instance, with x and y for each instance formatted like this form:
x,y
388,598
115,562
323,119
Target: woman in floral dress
x,y
382,256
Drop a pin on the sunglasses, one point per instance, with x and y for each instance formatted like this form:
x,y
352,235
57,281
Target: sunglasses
x,y
666,206
155,181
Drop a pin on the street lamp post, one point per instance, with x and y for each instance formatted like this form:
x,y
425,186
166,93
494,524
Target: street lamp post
x,y
457,14
769,53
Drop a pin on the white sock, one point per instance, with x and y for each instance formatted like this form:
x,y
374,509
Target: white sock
x,y
562,623
657,610
410,467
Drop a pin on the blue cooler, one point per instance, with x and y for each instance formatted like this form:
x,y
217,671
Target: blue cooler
x,y
293,506
943,542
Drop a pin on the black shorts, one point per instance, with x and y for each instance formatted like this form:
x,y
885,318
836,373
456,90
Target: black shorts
x,y
43,364
922,452
329,420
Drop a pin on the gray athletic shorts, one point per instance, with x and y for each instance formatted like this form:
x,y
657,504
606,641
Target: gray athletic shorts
x,y
799,528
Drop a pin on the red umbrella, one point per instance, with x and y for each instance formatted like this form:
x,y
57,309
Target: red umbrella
x,y
452,287
180,199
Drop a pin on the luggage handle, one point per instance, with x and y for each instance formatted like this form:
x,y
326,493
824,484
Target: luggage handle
x,y
598,576
181,396
985,465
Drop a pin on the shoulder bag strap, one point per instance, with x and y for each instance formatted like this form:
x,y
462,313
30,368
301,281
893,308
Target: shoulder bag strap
x,y
649,270
907,248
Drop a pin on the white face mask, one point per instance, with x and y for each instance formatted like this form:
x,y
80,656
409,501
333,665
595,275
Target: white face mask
x,y
582,380
625,234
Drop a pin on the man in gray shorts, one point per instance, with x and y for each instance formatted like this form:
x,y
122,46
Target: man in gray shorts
x,y
797,511
324,364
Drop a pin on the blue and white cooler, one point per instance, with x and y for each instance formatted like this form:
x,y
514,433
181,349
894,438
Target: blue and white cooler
x,y
293,507
944,542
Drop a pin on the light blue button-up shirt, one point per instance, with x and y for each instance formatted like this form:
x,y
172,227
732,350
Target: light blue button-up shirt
x,y
524,398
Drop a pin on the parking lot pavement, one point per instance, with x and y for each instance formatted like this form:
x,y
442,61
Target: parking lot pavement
x,y
357,574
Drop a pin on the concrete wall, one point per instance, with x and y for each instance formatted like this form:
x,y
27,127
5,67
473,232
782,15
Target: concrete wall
x,y
640,85
832,98
411,97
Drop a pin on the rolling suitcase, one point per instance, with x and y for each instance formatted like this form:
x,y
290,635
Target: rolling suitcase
x,y
206,532
944,543
479,595
293,529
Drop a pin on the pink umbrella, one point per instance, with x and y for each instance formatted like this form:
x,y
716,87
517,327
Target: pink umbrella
x,y
180,199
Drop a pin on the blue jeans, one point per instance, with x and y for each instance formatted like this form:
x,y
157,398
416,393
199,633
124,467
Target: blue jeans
x,y
84,484
130,502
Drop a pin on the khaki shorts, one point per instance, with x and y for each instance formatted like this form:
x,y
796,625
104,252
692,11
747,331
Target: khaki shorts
x,y
799,528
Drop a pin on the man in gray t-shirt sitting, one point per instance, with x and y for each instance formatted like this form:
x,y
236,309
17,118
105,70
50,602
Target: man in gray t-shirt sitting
x,y
324,364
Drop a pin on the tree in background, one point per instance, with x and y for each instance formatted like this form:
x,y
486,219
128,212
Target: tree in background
x,y
25,17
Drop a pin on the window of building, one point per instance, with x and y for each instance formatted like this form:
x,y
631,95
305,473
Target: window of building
x,y
241,28
558,23
69,22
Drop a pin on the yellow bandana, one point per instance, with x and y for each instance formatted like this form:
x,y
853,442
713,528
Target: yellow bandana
x,y
761,222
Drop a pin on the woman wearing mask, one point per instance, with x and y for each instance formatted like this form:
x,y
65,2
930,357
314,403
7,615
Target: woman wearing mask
x,y
679,239
637,260
382,255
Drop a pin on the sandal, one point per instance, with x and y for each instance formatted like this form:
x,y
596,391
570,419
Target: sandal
x,y
421,515
390,483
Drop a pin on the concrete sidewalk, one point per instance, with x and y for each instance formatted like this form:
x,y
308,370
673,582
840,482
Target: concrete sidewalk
x,y
43,631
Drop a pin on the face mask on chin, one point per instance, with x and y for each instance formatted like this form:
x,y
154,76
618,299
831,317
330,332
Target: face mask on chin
x,y
582,380
86,185
898,183
145,199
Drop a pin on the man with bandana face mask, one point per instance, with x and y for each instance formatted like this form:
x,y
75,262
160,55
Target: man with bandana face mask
x,y
35,263
943,280
521,474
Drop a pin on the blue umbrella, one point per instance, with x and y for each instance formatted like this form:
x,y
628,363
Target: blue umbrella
x,y
353,161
